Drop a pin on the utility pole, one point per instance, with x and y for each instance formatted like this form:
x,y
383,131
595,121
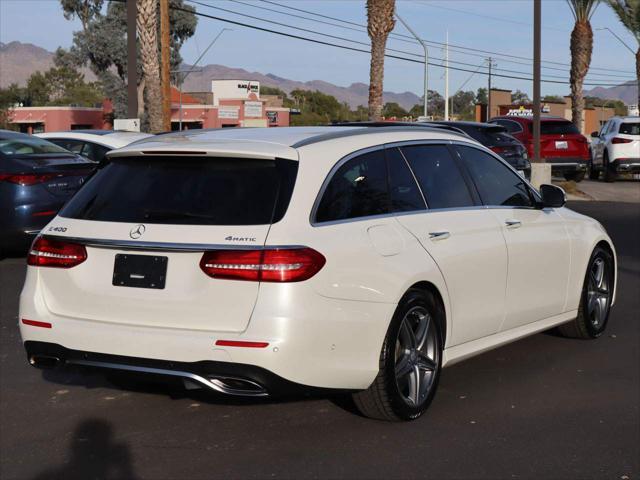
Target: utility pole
x,y
132,58
446,79
490,60
537,18
426,62
165,67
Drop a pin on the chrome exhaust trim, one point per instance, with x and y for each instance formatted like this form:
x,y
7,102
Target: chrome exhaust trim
x,y
220,384
44,361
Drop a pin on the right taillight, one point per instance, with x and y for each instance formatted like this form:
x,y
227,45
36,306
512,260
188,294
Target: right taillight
x,y
621,140
46,252
268,265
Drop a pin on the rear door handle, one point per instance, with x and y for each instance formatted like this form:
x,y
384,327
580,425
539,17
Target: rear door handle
x,y
510,223
440,235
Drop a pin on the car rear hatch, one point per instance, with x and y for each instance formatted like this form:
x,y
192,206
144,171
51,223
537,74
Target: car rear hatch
x,y
497,139
560,141
145,223
628,137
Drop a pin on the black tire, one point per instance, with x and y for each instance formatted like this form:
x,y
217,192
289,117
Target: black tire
x,y
574,176
385,398
608,172
584,326
593,173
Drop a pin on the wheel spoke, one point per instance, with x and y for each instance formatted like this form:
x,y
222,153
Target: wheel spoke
x,y
414,385
425,362
403,366
422,332
598,274
409,336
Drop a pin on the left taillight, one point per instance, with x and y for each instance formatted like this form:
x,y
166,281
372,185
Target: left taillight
x,y
46,252
268,265
617,140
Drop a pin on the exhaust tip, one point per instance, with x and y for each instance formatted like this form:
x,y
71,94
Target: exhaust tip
x,y
44,361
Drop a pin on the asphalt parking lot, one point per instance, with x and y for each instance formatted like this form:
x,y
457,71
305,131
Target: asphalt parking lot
x,y
544,407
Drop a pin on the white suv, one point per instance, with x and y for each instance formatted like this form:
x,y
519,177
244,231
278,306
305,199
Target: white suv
x,y
616,148
261,261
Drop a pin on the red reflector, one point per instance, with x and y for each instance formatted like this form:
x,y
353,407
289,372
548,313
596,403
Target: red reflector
x,y
621,140
35,323
236,343
46,252
269,265
46,213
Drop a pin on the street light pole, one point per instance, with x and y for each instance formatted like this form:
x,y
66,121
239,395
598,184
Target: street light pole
x,y
426,62
619,39
192,69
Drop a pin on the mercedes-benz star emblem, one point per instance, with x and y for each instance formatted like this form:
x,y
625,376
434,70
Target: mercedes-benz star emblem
x,y
137,231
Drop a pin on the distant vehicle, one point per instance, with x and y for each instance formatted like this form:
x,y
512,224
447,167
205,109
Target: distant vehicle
x,y
616,148
561,143
36,178
262,261
496,138
93,144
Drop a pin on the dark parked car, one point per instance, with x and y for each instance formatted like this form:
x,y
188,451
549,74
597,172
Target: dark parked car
x,y
561,143
496,138
36,179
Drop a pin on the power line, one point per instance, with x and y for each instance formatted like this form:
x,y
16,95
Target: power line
x,y
233,12
394,34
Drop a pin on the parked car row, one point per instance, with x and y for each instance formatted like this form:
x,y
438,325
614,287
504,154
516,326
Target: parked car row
x,y
615,148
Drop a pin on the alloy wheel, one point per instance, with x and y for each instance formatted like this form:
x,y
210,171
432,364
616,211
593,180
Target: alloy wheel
x,y
598,292
416,357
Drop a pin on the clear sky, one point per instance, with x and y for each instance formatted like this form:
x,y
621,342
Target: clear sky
x,y
500,26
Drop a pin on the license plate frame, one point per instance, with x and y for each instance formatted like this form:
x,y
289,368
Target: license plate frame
x,y
140,271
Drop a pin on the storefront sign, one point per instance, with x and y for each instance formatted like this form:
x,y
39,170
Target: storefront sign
x,y
253,109
228,112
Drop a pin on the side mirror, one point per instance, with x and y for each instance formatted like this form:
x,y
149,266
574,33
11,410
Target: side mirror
x,y
552,196
595,134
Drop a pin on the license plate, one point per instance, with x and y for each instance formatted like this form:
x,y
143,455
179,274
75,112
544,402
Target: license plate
x,y
140,271
563,145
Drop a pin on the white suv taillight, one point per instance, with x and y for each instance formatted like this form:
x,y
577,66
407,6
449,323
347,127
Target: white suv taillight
x,y
268,265
46,252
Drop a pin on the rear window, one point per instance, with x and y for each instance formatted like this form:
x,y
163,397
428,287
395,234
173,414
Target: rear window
x,y
630,128
489,135
27,145
556,128
211,191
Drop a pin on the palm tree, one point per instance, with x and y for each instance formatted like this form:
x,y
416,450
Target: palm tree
x,y
629,14
147,23
380,22
581,49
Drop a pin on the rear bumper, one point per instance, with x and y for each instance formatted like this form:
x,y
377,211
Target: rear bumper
x,y
627,165
222,377
562,166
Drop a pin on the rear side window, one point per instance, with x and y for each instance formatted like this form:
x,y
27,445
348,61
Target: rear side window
x,y
405,194
510,125
496,183
94,152
490,135
357,189
74,146
630,128
186,191
556,128
438,175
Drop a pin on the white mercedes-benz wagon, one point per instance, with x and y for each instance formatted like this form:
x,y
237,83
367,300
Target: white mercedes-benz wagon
x,y
352,259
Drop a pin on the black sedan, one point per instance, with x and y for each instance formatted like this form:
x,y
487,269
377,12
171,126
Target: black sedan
x,y
36,179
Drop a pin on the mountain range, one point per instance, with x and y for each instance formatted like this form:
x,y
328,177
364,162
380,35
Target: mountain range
x,y
19,60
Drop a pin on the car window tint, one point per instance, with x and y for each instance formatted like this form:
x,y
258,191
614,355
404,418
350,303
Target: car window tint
x,y
496,183
438,175
556,127
405,194
630,128
94,152
510,125
357,189
186,191
74,146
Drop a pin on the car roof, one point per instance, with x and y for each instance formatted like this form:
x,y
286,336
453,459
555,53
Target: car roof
x,y
12,134
108,138
628,118
463,123
529,118
269,143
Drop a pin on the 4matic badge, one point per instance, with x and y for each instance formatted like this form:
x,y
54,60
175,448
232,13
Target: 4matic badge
x,y
231,238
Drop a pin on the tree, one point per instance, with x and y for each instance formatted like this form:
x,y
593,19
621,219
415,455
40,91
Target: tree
x,y
463,105
520,98
553,98
9,97
102,44
392,109
380,22
581,49
147,22
628,12
481,96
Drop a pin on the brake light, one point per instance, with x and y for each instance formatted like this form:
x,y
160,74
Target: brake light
x,y
46,252
35,323
269,265
621,140
240,343
27,179
497,149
